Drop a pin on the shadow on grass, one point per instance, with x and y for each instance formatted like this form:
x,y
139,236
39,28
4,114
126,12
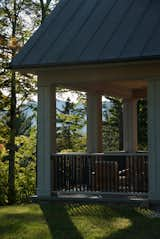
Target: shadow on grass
x,y
142,225
59,221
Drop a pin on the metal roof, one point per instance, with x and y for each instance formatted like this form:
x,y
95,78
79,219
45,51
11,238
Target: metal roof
x,y
92,31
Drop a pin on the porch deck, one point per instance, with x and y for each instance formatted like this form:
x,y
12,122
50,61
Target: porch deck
x,y
100,198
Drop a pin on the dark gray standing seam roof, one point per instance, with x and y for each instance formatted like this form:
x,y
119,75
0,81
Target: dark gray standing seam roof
x,y
94,31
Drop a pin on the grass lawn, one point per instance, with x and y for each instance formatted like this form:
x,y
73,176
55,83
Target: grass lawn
x,y
77,221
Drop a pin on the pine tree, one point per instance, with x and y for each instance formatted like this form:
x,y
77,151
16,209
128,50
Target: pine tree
x,y
113,126
14,32
18,19
142,124
70,124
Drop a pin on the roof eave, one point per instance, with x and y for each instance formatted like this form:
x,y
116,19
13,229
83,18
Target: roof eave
x,y
34,68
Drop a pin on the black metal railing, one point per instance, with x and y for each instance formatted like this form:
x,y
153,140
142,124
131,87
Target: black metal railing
x,y
100,172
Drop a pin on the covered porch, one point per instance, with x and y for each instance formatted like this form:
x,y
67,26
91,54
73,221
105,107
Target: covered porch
x,y
95,171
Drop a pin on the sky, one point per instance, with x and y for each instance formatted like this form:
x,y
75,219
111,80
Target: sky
x,y
73,97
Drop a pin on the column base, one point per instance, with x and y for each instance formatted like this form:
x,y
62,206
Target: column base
x,y
37,199
154,204
43,194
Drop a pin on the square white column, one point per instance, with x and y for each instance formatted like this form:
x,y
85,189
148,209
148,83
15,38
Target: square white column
x,y
130,125
94,123
154,139
46,144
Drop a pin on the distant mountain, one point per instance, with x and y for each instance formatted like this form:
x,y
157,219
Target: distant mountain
x,y
31,107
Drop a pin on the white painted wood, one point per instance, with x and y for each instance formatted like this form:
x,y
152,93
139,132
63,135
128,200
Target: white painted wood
x,y
94,123
130,125
46,137
154,139
119,153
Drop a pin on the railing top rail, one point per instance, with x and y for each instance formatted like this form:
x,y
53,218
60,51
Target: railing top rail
x,y
121,153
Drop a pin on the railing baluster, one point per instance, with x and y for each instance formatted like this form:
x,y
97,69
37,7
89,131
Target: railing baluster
x,y
103,175
122,181
127,175
117,178
111,176
96,172
99,173
93,173
146,175
136,176
132,174
140,174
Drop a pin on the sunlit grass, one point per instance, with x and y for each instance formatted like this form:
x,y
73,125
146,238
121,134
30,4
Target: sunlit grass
x,y
96,221
77,221
23,222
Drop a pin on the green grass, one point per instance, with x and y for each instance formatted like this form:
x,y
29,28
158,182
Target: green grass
x,y
77,221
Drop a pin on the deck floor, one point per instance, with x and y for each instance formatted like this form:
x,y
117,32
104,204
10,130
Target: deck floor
x,y
132,199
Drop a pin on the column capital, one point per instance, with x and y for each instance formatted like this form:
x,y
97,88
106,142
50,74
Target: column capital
x,y
43,81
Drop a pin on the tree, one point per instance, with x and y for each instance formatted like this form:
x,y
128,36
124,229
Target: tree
x,y
13,34
45,7
25,166
18,19
70,124
113,126
142,124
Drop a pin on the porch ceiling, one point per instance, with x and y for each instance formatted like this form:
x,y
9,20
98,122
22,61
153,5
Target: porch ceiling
x,y
121,80
124,89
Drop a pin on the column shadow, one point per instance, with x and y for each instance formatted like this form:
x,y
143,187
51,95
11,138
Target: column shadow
x,y
59,222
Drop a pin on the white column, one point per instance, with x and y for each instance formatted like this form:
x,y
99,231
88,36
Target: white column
x,y
130,125
154,139
46,137
94,123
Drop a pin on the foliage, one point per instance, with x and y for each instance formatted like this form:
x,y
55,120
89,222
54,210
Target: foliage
x,y
18,19
142,124
70,124
113,126
25,168
14,29
3,176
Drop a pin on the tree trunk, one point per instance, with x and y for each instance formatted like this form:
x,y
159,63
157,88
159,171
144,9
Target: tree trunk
x,y
11,176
